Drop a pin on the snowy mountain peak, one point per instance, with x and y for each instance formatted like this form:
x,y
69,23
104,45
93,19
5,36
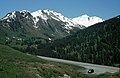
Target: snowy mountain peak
x,y
46,15
24,11
84,16
87,20
10,15
13,14
49,14
38,14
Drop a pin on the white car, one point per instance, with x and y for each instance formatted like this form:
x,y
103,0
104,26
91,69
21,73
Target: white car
x,y
91,71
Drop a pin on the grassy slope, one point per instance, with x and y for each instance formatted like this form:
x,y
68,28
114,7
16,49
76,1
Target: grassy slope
x,y
14,64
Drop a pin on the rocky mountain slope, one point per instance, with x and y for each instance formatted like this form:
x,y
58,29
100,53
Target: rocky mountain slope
x,y
42,23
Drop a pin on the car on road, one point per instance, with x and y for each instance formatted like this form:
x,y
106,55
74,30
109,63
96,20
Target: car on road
x,y
91,71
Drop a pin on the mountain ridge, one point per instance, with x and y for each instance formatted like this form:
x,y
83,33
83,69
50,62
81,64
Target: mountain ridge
x,y
44,14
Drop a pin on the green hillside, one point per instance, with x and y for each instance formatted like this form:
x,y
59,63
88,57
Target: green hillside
x,y
14,64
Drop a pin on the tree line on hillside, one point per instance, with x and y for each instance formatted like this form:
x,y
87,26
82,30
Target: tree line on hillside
x,y
97,44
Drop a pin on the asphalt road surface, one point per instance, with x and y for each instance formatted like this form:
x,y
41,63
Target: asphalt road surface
x,y
98,69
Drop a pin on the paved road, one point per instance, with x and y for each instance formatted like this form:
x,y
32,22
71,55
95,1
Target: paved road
x,y
98,69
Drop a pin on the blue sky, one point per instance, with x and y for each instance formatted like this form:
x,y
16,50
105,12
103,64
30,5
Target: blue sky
x,y
70,8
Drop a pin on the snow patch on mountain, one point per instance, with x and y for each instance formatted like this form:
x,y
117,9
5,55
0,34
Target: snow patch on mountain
x,y
49,14
10,15
13,14
38,14
87,20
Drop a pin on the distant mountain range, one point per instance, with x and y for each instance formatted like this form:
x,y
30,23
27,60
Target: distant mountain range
x,y
46,24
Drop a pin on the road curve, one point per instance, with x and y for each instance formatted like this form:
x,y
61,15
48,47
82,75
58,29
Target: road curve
x,y
98,69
